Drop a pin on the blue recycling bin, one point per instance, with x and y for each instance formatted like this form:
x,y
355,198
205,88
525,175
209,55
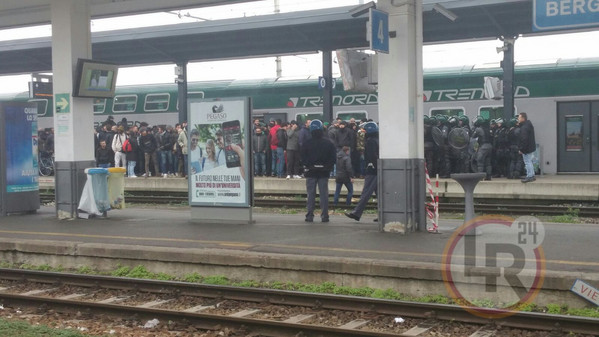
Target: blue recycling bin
x,y
94,199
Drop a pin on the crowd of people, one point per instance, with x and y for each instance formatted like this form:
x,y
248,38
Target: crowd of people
x,y
318,151
496,147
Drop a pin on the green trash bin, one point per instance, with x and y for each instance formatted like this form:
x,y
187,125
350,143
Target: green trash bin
x,y
116,187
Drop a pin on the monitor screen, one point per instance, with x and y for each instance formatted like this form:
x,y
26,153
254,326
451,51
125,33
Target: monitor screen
x,y
95,79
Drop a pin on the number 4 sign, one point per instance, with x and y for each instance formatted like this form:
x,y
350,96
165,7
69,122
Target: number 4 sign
x,y
379,31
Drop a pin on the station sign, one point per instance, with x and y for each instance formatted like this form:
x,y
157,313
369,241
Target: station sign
x,y
378,31
586,291
322,82
564,14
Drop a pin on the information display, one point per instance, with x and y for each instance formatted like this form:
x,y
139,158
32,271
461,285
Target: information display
x,y
219,160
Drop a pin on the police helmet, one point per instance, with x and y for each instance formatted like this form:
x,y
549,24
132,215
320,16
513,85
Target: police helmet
x,y
316,125
493,121
464,119
499,121
514,121
480,120
426,119
371,127
441,119
453,121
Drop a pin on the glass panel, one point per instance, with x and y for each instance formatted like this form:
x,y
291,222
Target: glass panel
x,y
302,118
491,112
447,112
99,105
124,103
357,115
574,135
156,102
190,95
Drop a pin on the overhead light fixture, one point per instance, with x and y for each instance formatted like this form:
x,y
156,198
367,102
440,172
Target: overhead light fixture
x,y
445,12
362,9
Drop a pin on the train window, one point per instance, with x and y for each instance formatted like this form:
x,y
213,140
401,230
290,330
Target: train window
x,y
42,106
190,95
156,102
302,118
357,115
99,105
447,111
124,103
493,112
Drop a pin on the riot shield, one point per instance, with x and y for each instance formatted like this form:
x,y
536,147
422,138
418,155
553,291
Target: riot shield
x,y
438,136
458,138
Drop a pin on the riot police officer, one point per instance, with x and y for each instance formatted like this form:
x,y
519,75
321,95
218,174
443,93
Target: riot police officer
x,y
443,160
429,146
485,146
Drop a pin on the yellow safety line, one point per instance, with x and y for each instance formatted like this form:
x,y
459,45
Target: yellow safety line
x,y
248,245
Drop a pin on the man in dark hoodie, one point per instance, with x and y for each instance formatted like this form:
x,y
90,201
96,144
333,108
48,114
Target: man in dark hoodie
x,y
148,145
371,156
318,157
527,146
344,175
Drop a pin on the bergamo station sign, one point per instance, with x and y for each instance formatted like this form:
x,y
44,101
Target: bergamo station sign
x,y
565,14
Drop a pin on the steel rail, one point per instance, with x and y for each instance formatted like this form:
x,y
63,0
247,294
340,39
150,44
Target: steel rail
x,y
516,209
525,320
201,320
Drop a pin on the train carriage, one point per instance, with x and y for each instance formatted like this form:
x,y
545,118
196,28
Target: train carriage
x,y
561,99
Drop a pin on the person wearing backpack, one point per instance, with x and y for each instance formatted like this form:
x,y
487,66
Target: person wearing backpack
x,y
130,148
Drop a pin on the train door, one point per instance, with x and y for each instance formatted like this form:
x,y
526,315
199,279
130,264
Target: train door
x,y
578,136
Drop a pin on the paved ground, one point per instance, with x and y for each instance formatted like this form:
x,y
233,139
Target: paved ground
x,y
567,247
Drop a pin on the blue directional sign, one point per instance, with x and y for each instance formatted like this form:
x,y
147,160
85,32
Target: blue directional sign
x,y
564,14
379,31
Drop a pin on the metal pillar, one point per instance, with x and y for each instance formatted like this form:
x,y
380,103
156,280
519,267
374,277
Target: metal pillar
x,y
508,78
182,90
327,94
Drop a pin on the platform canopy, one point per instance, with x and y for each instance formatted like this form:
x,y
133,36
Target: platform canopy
x,y
265,35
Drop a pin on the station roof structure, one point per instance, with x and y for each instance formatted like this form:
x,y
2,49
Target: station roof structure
x,y
265,35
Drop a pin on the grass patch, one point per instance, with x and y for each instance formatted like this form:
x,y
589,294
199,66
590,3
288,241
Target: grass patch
x,y
140,271
24,329
571,216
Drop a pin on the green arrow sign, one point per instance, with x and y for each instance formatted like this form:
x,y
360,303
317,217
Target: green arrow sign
x,y
62,102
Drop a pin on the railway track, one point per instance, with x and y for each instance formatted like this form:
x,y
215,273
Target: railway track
x,y
296,201
262,312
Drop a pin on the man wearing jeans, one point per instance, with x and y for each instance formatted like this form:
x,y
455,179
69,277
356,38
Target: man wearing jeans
x,y
527,146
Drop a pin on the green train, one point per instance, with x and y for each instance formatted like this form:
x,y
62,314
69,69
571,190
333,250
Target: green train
x,y
561,98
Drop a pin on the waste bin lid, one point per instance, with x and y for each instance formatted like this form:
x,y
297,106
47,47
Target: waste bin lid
x,y
96,170
117,170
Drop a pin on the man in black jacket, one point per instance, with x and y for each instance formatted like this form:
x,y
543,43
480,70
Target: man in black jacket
x,y
527,146
371,156
318,157
148,145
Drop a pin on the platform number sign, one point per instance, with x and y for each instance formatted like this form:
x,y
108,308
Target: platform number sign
x,y
379,31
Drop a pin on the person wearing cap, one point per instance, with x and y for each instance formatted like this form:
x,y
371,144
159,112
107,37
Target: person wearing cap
x,y
318,157
371,156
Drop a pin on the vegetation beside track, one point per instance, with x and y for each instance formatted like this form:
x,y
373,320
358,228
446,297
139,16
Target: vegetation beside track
x,y
141,272
24,329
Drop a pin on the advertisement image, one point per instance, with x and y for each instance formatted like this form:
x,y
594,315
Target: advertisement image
x,y
21,149
217,153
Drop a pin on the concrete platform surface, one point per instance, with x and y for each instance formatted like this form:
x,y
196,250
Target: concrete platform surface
x,y
567,247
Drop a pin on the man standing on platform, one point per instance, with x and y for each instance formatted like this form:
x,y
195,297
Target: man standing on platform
x,y
318,157
527,146
371,156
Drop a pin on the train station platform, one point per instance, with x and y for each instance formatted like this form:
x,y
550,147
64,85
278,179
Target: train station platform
x,y
547,188
278,247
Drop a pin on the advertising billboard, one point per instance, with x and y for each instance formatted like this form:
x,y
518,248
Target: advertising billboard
x,y
219,156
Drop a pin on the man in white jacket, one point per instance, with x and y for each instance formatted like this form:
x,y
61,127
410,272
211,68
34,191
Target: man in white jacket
x,y
120,157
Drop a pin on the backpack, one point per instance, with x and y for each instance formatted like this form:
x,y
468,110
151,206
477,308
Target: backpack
x,y
127,146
